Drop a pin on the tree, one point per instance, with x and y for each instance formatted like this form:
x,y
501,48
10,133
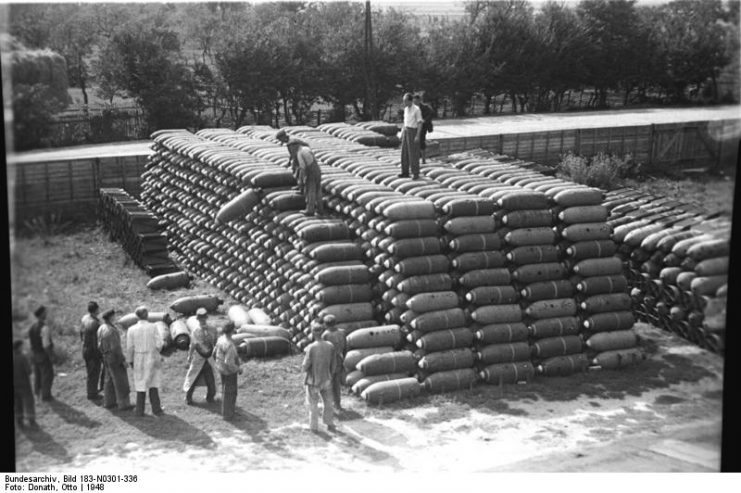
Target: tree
x,y
693,44
39,79
614,44
146,65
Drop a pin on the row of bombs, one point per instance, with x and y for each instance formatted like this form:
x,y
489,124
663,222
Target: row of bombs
x,y
677,258
264,257
130,223
558,220
255,337
367,133
618,300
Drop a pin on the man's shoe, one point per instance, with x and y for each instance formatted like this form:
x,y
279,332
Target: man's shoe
x,y
211,400
332,428
111,406
95,397
159,413
189,401
402,175
48,398
415,177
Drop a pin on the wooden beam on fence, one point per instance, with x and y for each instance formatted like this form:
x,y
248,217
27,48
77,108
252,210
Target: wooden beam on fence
x,y
561,146
547,143
532,146
71,185
46,179
651,136
622,142
577,142
501,144
123,172
517,145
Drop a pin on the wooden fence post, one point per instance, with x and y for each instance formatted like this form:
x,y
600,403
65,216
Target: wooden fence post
x,y
577,142
651,143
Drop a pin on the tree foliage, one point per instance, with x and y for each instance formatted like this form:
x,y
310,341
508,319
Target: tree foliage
x,y
284,58
39,81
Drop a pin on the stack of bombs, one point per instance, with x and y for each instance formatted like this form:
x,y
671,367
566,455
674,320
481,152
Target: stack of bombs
x,y
677,256
557,315
256,244
502,354
361,134
433,252
138,230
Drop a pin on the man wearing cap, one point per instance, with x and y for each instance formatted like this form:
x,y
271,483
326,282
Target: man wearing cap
x,y
318,365
116,388
143,345
42,351
339,342
293,145
25,406
410,138
90,352
227,362
200,373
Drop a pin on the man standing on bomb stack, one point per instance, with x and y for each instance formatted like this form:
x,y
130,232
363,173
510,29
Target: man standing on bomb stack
x,y
410,138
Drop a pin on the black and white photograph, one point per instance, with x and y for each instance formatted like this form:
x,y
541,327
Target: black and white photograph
x,y
384,237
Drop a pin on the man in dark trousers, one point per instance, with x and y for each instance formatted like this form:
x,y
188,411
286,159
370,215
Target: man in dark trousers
x,y
410,137
318,365
116,390
427,113
339,341
42,352
25,406
227,362
90,352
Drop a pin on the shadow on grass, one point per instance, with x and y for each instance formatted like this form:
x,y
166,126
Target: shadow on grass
x,y
43,443
249,423
72,415
170,428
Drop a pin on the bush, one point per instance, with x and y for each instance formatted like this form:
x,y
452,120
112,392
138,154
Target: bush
x,y
604,171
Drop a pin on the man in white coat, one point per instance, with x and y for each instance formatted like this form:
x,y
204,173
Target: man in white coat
x,y
143,346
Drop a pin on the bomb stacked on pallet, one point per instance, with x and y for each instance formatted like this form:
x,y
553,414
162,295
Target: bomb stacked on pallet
x,y
604,304
138,230
678,262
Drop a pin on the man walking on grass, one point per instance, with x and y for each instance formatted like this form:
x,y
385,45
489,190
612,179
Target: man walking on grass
x,y
339,342
90,352
116,388
318,365
143,345
42,352
410,138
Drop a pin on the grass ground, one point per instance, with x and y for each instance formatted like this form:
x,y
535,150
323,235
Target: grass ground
x,y
64,272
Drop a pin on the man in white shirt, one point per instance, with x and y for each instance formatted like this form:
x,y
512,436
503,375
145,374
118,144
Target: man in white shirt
x,y
410,138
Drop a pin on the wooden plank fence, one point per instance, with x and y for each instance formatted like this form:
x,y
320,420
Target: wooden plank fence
x,y
71,187
676,145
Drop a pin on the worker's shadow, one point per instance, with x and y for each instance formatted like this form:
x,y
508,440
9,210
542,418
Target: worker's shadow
x,y
169,427
250,423
44,444
72,415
